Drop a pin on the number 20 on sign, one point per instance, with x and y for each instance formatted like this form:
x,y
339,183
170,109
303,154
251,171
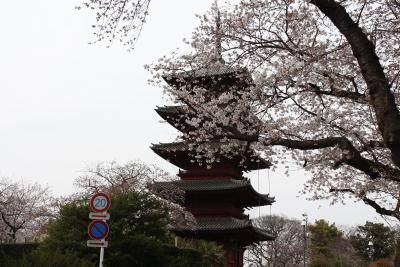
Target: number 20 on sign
x,y
100,202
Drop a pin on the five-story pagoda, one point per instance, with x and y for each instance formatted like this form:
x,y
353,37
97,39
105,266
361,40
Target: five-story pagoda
x,y
216,192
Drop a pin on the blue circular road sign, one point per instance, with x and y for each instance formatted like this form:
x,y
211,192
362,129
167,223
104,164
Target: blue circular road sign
x,y
98,230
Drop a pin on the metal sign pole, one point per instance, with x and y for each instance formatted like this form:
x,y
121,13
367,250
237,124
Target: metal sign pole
x,y
101,254
101,257
305,219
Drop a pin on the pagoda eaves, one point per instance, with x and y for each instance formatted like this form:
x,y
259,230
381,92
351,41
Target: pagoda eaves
x,y
239,191
226,228
217,76
183,155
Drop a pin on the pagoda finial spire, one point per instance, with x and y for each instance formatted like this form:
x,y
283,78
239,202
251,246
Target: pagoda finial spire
x,y
218,47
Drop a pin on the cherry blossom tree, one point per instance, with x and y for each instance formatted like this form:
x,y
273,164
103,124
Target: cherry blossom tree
x,y
324,93
326,82
24,210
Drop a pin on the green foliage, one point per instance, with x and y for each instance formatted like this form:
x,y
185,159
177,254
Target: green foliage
x,y
329,248
179,257
213,255
321,262
16,250
69,232
136,213
26,255
322,235
138,235
382,239
325,262
142,251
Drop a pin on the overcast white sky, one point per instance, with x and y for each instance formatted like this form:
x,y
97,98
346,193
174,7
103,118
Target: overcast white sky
x,y
65,104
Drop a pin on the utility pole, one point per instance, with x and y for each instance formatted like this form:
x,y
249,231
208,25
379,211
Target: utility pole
x,y
371,251
305,220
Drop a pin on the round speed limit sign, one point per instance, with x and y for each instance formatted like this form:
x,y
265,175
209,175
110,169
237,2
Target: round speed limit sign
x,y
100,202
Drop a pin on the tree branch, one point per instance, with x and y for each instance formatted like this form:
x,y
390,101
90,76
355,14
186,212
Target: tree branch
x,y
357,97
382,98
378,208
352,157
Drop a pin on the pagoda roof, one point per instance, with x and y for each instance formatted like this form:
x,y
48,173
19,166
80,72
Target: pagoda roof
x,y
212,70
216,75
176,116
223,184
215,227
221,223
173,110
183,155
238,189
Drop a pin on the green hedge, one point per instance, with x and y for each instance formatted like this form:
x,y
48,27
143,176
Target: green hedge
x,y
16,250
184,257
28,255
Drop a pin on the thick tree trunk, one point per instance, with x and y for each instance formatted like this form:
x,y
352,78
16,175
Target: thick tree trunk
x,y
381,98
14,236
